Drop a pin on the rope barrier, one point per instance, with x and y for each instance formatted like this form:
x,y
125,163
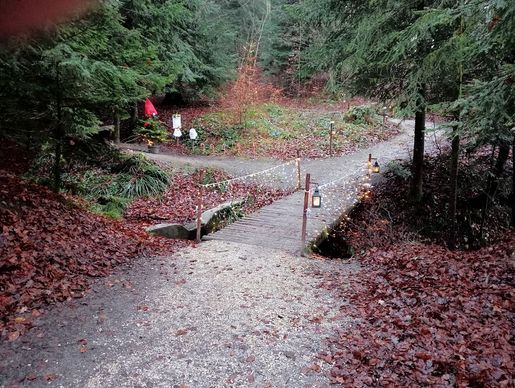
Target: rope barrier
x,y
357,170
228,181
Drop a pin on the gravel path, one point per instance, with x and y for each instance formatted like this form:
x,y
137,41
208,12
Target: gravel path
x,y
232,165
221,314
326,170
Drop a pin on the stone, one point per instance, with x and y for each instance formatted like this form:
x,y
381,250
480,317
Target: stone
x,y
177,231
210,218
107,128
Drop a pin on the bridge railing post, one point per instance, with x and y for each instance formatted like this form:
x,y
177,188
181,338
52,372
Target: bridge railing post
x,y
199,206
305,212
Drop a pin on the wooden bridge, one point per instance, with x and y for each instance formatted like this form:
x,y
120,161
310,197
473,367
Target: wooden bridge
x,y
279,225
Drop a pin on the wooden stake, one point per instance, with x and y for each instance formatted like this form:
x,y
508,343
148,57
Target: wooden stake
x,y
305,212
199,207
331,140
297,164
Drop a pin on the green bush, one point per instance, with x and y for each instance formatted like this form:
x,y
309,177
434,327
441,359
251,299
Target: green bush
x,y
363,114
102,175
153,130
398,169
110,206
274,110
214,126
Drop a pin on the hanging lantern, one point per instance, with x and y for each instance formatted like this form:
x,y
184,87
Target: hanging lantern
x,y
373,167
316,199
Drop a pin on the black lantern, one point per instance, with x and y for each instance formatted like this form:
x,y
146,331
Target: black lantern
x,y
316,199
373,167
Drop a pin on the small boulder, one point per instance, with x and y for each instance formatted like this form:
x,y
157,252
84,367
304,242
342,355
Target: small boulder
x,y
212,217
210,220
177,231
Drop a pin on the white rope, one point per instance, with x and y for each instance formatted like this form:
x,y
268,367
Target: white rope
x,y
249,175
352,175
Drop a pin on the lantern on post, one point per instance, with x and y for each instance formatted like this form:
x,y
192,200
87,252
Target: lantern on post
x,y
373,167
385,115
316,198
331,134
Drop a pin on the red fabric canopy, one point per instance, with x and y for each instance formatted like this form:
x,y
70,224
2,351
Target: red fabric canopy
x,y
150,110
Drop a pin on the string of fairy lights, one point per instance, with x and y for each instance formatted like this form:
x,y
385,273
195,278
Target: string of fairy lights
x,y
337,198
284,176
278,176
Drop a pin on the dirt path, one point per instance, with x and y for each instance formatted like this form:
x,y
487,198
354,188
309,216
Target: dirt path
x,y
222,314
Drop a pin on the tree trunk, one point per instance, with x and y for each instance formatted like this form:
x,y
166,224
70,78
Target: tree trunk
x,y
134,117
417,167
493,179
268,6
58,136
493,182
513,182
455,153
117,126
453,190
502,157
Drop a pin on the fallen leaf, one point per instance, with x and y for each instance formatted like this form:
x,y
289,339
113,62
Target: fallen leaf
x,y
251,358
13,336
51,377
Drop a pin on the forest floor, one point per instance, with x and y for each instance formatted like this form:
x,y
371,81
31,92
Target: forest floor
x,y
225,314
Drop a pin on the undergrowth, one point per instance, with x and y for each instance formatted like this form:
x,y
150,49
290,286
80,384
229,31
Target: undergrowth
x,y
274,130
388,217
424,315
105,177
